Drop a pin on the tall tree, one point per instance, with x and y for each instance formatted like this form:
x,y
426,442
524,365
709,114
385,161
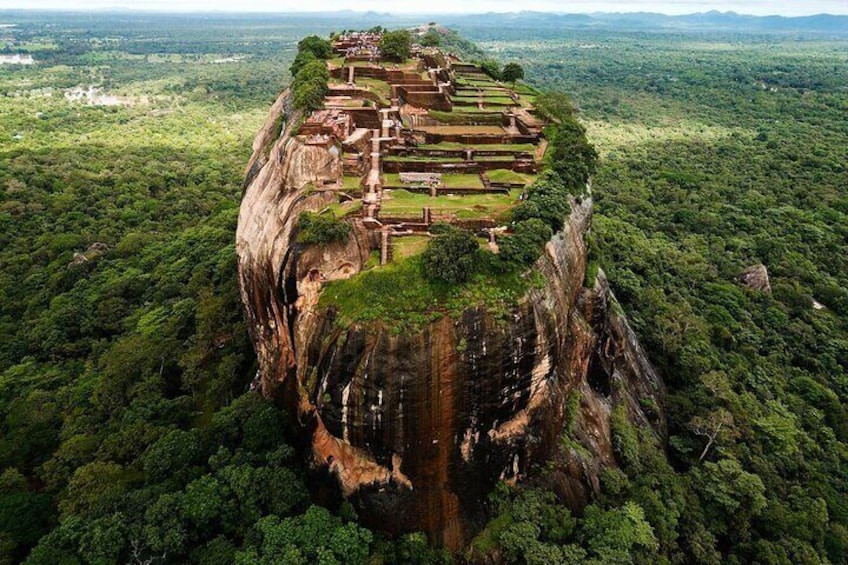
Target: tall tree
x,y
512,72
396,45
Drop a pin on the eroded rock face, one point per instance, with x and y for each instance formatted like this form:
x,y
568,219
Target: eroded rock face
x,y
756,277
417,428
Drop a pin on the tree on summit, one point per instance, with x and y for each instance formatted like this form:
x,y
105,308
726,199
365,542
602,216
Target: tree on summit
x,y
396,45
512,72
318,46
452,255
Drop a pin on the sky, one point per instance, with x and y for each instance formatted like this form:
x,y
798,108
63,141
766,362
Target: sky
x,y
755,7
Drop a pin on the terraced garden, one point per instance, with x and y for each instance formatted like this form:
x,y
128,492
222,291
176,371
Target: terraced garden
x,y
428,140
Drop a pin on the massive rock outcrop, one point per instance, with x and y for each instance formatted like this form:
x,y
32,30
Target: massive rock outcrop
x,y
417,428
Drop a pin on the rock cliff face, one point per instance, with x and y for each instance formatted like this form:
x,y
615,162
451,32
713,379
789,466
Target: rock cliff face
x,y
416,428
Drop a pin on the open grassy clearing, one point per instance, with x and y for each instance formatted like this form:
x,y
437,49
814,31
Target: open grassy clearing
x,y
424,159
498,100
462,181
508,176
478,82
450,181
499,158
465,88
474,99
352,183
419,159
469,116
404,204
379,87
408,246
462,113
484,94
505,147
461,130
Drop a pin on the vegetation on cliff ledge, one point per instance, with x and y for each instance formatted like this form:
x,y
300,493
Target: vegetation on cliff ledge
x,y
310,74
404,295
321,229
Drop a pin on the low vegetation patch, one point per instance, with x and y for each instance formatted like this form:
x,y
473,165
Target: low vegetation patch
x,y
510,177
468,116
408,246
321,229
402,296
462,181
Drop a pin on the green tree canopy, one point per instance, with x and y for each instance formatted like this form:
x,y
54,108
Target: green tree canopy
x,y
310,86
431,38
317,46
396,45
321,229
512,72
524,246
451,256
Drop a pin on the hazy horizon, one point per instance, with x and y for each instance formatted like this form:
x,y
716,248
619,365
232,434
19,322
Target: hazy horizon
x,y
679,7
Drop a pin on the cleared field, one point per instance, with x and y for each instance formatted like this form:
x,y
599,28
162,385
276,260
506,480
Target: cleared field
x,y
462,181
495,111
484,94
461,130
404,204
449,180
508,176
473,99
419,159
352,183
408,246
446,146
465,88
503,100
379,87
478,82
469,116
490,158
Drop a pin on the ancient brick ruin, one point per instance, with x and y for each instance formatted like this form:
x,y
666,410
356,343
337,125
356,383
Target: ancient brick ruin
x,y
430,125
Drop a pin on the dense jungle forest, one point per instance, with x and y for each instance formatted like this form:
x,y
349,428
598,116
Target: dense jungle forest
x,y
128,431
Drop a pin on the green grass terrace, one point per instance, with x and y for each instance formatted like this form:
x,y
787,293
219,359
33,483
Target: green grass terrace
x,y
462,130
352,183
505,147
464,181
509,177
408,246
470,116
403,204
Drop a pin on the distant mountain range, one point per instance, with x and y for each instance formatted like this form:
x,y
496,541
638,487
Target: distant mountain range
x,y
515,21
714,20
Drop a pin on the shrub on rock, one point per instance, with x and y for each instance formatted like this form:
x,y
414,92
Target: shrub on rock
x,y
451,256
